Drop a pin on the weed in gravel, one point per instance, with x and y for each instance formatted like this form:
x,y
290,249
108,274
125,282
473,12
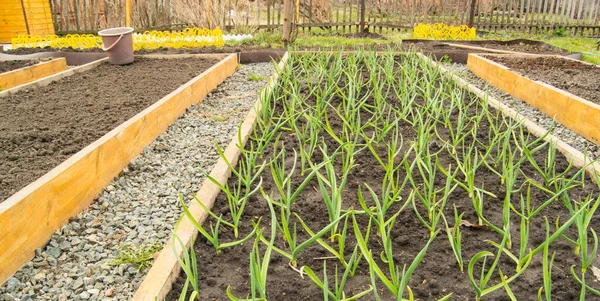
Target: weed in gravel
x,y
139,255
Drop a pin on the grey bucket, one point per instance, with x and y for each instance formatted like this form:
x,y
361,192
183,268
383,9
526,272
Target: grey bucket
x,y
118,44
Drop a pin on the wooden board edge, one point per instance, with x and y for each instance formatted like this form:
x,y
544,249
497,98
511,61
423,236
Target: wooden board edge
x,y
52,78
15,209
30,73
572,154
536,94
165,270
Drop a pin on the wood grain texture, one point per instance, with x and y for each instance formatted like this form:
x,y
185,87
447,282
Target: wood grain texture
x,y
18,17
28,74
166,268
580,115
29,217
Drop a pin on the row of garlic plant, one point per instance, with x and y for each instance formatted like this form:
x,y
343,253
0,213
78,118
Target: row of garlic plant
x,y
371,104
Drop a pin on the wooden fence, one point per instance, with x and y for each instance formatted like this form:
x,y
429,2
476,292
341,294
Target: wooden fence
x,y
578,17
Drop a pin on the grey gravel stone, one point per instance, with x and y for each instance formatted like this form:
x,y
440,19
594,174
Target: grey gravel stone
x,y
565,134
53,251
141,205
84,295
13,284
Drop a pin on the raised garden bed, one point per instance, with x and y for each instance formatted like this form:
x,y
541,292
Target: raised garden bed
x,y
563,88
75,133
458,51
6,66
22,72
414,159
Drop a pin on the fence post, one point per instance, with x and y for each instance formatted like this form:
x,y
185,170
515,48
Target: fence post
x,y
362,15
127,13
472,14
287,21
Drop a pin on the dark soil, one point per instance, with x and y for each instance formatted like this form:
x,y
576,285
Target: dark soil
x,y
42,127
520,47
428,46
6,66
437,276
574,77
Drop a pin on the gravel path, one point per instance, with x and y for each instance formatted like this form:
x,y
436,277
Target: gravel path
x,y
140,206
565,134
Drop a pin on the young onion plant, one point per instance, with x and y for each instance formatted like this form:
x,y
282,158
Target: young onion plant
x,y
397,282
337,294
455,236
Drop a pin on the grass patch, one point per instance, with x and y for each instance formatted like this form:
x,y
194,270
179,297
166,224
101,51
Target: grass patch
x,y
256,77
138,255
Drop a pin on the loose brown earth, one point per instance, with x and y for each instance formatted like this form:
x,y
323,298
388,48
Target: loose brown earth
x,y
6,66
429,46
520,47
572,76
42,127
437,276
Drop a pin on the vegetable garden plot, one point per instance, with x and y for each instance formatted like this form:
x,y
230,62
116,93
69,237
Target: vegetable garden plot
x,y
578,78
43,127
376,177
560,87
118,112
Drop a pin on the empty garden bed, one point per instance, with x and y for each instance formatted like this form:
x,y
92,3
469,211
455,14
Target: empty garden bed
x,y
376,176
43,127
563,88
575,77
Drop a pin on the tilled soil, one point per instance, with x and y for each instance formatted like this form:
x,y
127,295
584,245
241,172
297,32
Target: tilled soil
x,y
436,276
520,47
6,66
42,127
574,77
429,46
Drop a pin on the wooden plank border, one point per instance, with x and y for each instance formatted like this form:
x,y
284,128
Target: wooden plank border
x,y
29,217
49,79
28,74
166,268
573,155
580,115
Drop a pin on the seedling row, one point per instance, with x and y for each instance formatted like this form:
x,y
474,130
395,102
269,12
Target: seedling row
x,y
374,177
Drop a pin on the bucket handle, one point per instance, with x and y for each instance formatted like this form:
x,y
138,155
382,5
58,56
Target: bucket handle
x,y
113,45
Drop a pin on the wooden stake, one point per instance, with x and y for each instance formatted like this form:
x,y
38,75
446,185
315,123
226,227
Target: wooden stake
x,y
127,13
287,21
472,14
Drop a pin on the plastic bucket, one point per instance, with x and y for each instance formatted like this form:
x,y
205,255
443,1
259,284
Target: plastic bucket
x,y
118,44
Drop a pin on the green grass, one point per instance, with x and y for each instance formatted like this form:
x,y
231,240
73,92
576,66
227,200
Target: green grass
x,y
139,255
255,77
587,46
